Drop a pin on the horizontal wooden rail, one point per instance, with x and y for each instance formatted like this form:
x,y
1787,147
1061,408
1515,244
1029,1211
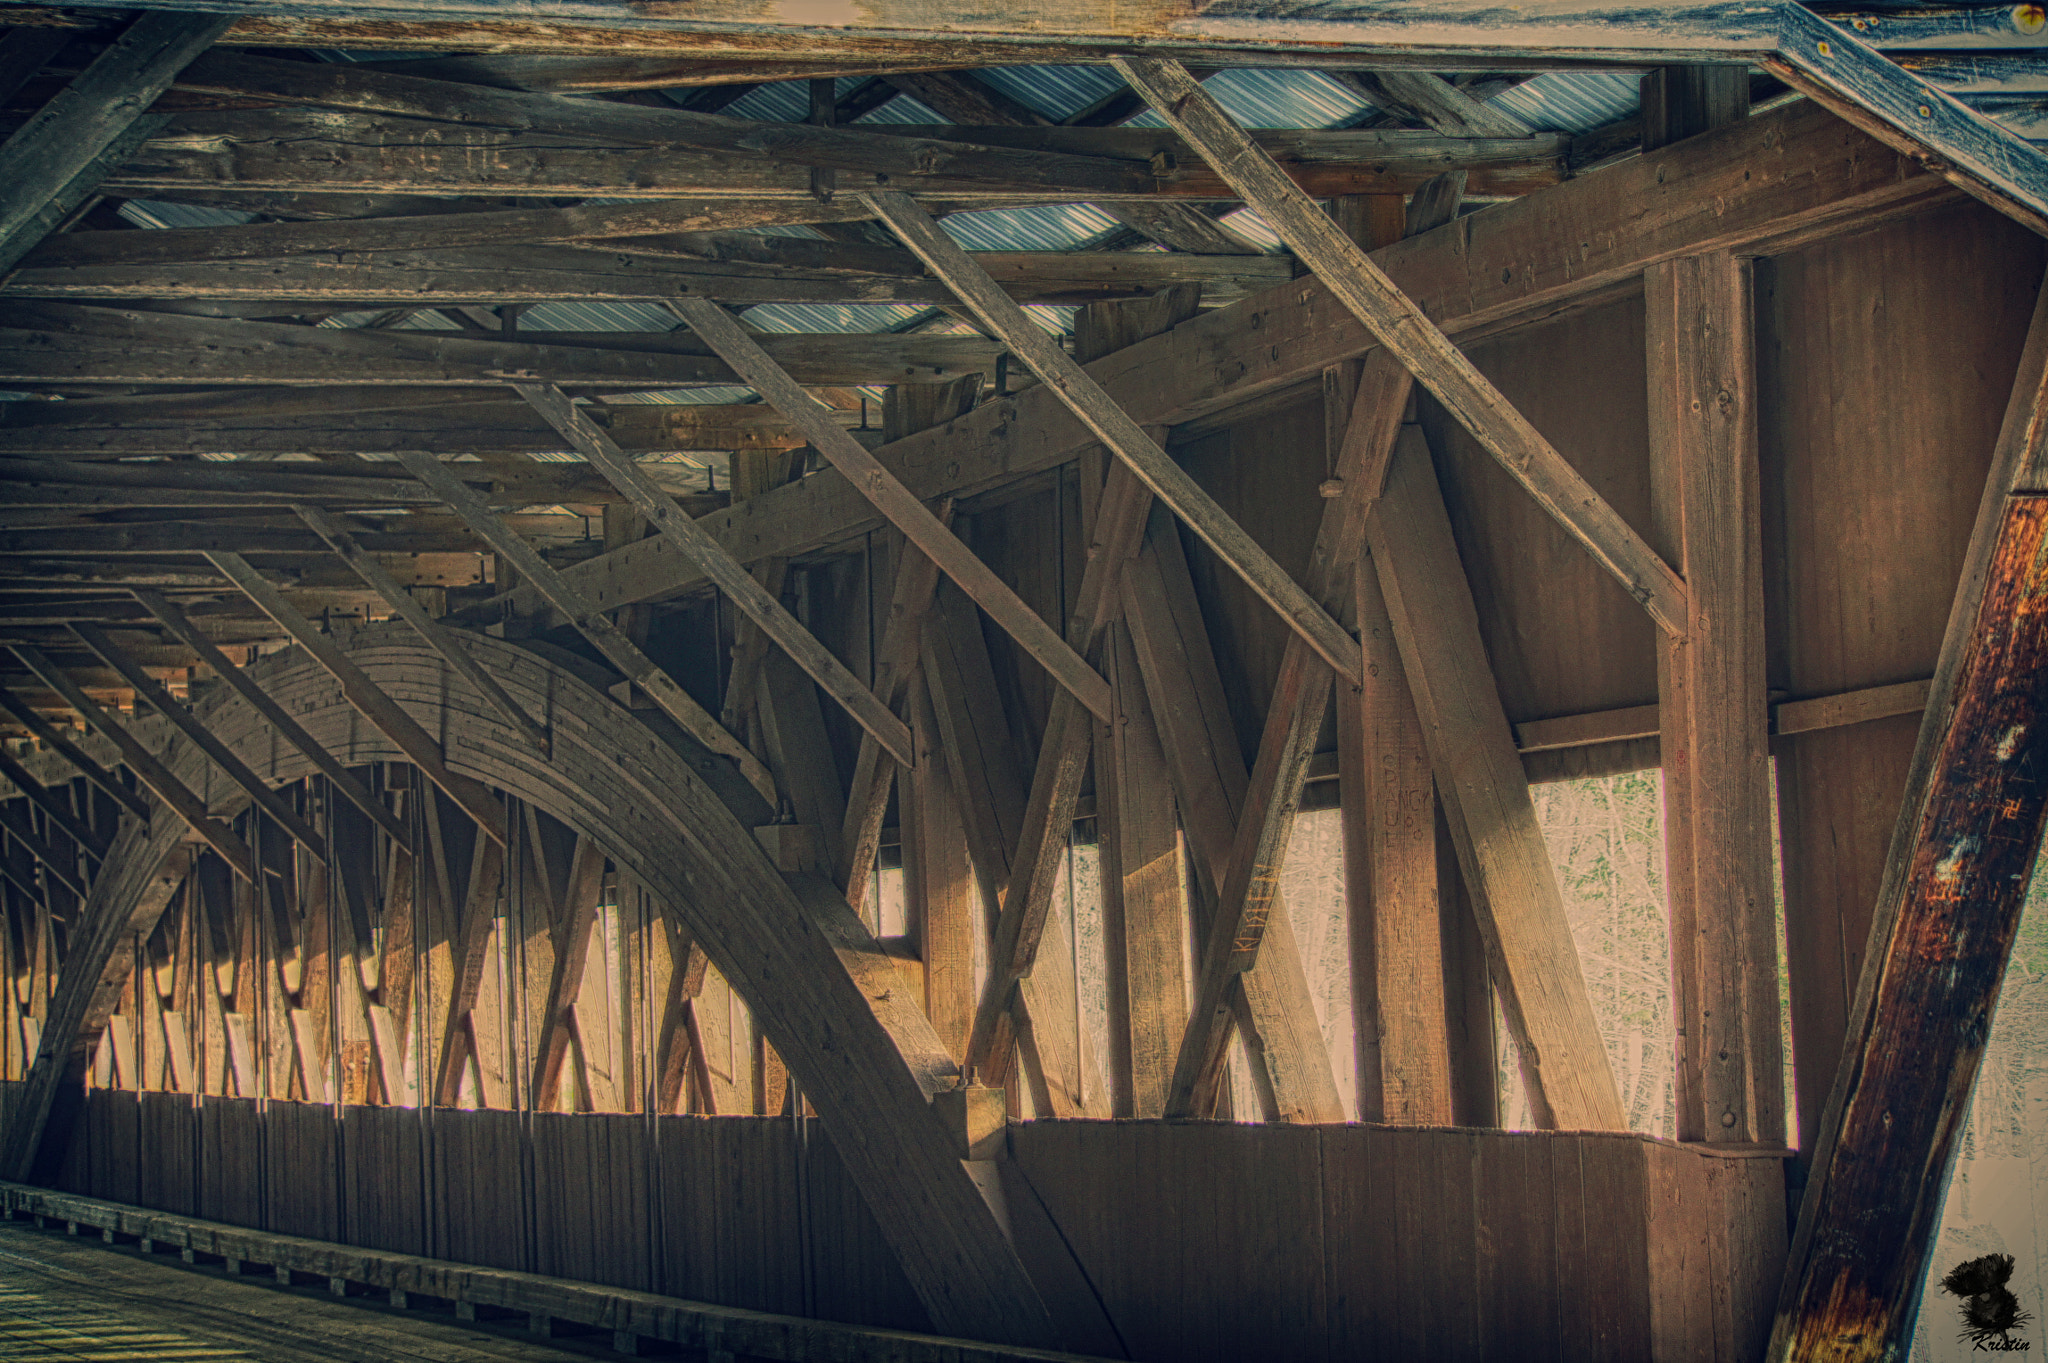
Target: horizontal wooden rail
x,y
693,1325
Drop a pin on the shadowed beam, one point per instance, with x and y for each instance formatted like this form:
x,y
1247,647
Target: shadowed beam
x,y
732,578
54,864
593,624
369,700
92,771
345,86
1125,438
44,799
55,161
242,684
1955,883
896,502
439,637
152,773
1294,718
1402,327
152,691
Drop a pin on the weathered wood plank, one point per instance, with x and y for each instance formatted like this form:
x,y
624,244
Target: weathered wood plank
x,y
63,342
1406,330
52,162
1713,716
1125,438
153,774
733,579
348,86
1529,947
897,503
1968,832
370,701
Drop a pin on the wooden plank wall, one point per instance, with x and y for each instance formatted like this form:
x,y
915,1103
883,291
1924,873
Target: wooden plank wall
x,y
1884,360
1236,1242
1563,636
740,1211
1202,1240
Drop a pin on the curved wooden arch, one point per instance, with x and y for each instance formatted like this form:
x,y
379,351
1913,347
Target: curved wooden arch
x,y
867,1059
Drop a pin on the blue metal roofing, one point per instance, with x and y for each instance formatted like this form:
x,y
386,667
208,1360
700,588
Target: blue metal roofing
x,y
1572,101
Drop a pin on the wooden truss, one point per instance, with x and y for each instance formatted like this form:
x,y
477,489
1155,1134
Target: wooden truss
x,y
371,908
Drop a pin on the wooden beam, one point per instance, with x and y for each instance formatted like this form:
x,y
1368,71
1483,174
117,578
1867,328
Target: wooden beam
x,y
75,343
291,158
431,232
53,162
1294,718
1277,1015
1714,712
867,800
1435,34
58,811
904,510
1420,344
1125,438
938,881
1042,840
1702,195
127,900
627,272
152,773
575,916
148,689
909,160
635,666
1843,74
1144,907
1955,880
439,637
368,699
1425,98
677,526
76,756
245,686
1514,889
58,867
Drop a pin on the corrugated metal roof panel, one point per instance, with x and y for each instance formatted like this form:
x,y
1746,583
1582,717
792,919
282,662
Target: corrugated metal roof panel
x,y
1058,92
846,318
1572,101
1047,227
1278,99
152,213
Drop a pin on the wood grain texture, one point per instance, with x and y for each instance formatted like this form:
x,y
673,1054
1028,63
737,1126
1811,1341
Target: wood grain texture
x,y
1968,829
1850,620
1714,711
1771,180
1535,965
1422,347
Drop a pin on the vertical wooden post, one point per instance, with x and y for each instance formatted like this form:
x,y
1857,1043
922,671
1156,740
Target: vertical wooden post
x,y
1392,884
1713,707
1680,101
1486,797
939,885
1144,896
